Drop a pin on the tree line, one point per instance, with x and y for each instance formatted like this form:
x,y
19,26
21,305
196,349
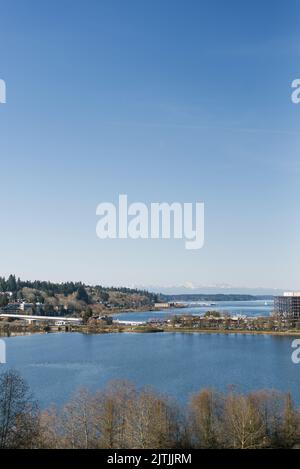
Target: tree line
x,y
15,285
122,416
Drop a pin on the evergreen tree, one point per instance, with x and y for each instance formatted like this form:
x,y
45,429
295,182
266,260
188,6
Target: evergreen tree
x,y
3,300
82,294
12,283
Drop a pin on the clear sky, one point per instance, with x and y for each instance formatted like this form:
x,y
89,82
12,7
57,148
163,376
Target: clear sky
x,y
163,100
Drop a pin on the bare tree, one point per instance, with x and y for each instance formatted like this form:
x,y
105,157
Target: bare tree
x,y
290,423
152,421
270,405
51,434
243,425
77,421
205,413
112,406
19,416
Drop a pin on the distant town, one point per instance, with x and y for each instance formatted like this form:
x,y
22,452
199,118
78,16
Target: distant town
x,y
39,306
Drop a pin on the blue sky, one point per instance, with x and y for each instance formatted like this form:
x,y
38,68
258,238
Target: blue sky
x,y
164,101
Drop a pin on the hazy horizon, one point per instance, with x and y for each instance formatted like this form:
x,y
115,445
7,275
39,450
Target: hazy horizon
x,y
178,289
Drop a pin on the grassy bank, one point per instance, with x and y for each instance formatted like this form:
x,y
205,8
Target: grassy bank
x,y
15,329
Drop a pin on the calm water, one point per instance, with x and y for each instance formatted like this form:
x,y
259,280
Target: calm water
x,y
55,365
248,308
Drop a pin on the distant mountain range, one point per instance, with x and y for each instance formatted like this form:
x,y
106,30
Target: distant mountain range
x,y
218,289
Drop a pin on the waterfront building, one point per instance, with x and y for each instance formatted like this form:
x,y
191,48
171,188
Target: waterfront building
x,y
161,305
288,305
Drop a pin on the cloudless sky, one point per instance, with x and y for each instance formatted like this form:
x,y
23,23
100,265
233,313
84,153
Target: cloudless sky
x,y
164,100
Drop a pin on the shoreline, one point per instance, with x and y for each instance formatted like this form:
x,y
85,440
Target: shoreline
x,y
213,331
155,331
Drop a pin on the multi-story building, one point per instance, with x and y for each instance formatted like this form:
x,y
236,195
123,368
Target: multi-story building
x,y
288,305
